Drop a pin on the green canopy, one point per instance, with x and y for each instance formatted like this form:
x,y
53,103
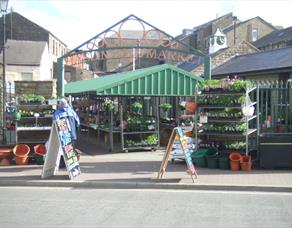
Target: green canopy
x,y
160,80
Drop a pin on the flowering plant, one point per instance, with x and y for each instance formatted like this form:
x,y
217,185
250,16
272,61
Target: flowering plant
x,y
108,104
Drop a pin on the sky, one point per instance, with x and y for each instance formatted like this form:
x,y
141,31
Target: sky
x,y
76,21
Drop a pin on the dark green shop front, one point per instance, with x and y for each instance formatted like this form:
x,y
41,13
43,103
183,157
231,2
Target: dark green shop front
x,y
149,86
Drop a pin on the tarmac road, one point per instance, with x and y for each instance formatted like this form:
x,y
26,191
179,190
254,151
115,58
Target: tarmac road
x,y
73,207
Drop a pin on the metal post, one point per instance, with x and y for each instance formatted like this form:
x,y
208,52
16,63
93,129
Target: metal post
x,y
234,29
60,77
207,67
4,141
111,131
134,59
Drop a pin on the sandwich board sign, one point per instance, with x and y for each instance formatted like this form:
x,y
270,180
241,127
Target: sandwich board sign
x,y
60,144
178,132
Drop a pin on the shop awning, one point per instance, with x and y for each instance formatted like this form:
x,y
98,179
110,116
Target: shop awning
x,y
160,80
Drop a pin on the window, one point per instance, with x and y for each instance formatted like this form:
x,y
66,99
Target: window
x,y
26,76
254,34
206,43
53,47
67,76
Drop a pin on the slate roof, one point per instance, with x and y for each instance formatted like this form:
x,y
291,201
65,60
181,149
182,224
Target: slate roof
x,y
183,36
19,27
27,53
213,21
274,37
197,61
261,61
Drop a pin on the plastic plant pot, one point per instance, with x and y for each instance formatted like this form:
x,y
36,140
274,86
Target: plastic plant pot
x,y
212,159
223,162
198,157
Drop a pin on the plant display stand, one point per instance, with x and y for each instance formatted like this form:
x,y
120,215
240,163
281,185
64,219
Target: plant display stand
x,y
226,117
34,123
140,131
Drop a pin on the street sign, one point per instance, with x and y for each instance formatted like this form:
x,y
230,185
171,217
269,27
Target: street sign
x,y
61,144
178,132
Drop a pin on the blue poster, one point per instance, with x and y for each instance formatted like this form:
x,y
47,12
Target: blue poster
x,y
70,154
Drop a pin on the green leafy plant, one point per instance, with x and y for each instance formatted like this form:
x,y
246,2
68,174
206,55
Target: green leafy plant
x,y
181,107
137,105
152,139
240,85
31,98
165,106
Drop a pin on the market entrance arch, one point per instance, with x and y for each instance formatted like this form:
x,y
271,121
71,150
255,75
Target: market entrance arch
x,y
120,48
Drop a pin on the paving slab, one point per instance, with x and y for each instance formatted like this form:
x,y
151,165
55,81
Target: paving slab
x,y
140,170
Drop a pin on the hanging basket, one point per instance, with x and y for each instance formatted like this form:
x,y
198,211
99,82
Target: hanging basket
x,y
191,106
16,116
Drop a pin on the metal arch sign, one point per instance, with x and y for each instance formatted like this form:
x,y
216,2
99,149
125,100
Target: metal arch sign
x,y
171,55
120,47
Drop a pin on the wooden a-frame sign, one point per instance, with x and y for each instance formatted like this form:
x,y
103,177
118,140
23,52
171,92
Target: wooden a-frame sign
x,y
177,131
60,144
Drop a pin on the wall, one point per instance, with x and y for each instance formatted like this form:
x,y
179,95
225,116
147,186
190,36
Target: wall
x,y
243,31
44,88
13,73
46,66
227,54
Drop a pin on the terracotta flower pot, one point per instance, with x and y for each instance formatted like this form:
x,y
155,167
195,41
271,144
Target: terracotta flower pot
x,y
235,159
4,153
40,149
21,152
246,163
246,166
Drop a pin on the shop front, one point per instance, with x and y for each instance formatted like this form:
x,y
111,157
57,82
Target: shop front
x,y
133,109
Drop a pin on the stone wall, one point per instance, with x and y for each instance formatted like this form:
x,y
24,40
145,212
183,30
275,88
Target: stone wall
x,y
223,56
44,88
243,31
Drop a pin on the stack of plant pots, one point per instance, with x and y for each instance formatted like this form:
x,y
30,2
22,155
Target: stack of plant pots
x,y
246,163
238,161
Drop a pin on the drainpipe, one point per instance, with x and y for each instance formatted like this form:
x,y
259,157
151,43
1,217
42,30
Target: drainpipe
x,y
234,29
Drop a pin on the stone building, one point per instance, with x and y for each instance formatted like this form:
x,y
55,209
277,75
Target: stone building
x,y
20,28
220,57
249,30
277,39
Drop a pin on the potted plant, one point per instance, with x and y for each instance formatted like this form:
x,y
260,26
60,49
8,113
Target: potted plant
x,y
165,107
31,99
16,116
108,104
136,106
152,139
